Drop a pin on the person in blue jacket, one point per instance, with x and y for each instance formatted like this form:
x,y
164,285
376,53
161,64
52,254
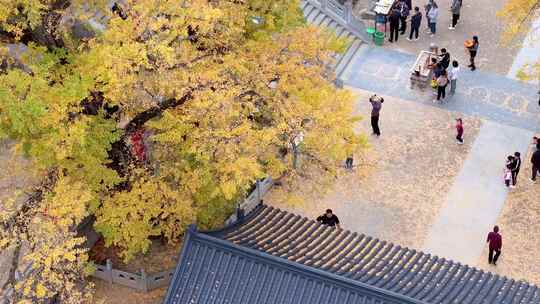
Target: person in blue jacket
x,y
416,20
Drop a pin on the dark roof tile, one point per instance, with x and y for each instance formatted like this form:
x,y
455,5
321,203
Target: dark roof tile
x,y
378,263
276,257
213,271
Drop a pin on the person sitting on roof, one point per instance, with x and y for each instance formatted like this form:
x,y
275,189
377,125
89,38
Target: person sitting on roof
x,y
329,219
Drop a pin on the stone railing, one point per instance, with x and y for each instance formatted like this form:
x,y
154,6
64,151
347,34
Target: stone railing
x,y
142,281
252,200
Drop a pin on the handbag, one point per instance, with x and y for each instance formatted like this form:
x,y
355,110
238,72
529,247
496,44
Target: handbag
x,y
434,83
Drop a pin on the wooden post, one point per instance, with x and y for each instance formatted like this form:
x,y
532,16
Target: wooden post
x,y
258,188
109,266
144,281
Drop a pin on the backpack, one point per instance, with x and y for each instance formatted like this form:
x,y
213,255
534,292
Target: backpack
x,y
442,81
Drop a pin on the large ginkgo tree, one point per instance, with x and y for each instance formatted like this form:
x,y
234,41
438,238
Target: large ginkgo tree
x,y
155,115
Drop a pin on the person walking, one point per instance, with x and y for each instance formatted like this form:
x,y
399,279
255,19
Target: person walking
x,y
329,219
376,104
394,18
416,20
495,245
455,8
453,74
516,165
535,161
459,129
473,50
427,7
442,82
349,162
404,11
432,18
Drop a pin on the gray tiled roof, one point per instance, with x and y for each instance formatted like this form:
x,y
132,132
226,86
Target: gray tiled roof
x,y
215,271
380,264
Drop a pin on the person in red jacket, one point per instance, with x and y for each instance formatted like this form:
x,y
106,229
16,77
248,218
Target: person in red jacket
x,y
495,245
459,129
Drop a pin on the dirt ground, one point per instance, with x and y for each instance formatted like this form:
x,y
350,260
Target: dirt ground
x,y
398,186
159,257
116,294
477,18
519,228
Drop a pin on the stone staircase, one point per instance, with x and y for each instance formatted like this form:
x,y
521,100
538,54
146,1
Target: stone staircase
x,y
338,18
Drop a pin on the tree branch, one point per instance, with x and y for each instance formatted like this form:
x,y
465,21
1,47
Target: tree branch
x,y
531,10
14,266
140,119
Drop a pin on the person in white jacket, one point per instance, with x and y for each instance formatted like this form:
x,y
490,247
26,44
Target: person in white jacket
x,y
453,76
432,18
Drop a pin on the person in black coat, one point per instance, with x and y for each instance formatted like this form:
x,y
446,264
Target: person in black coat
x,y
404,11
329,219
535,161
444,58
409,4
393,18
516,165
416,20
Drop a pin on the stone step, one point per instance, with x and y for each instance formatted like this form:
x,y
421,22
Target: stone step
x,y
339,30
332,25
307,10
317,21
313,15
326,22
346,58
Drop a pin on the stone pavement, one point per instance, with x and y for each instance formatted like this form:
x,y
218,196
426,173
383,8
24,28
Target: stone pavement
x,y
478,17
477,196
489,96
511,113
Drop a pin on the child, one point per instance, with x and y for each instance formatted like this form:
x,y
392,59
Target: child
x,y
459,129
508,170
507,177
453,76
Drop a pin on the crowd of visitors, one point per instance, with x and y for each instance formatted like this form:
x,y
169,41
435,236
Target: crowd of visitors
x,y
401,10
442,76
445,71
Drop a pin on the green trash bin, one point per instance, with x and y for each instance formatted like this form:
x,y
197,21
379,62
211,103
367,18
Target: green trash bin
x,y
379,38
370,31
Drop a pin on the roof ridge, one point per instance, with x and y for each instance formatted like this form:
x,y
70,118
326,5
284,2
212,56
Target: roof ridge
x,y
298,267
418,274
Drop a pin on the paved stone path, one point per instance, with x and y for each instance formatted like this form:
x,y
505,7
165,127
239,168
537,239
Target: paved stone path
x,y
511,113
490,96
477,196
